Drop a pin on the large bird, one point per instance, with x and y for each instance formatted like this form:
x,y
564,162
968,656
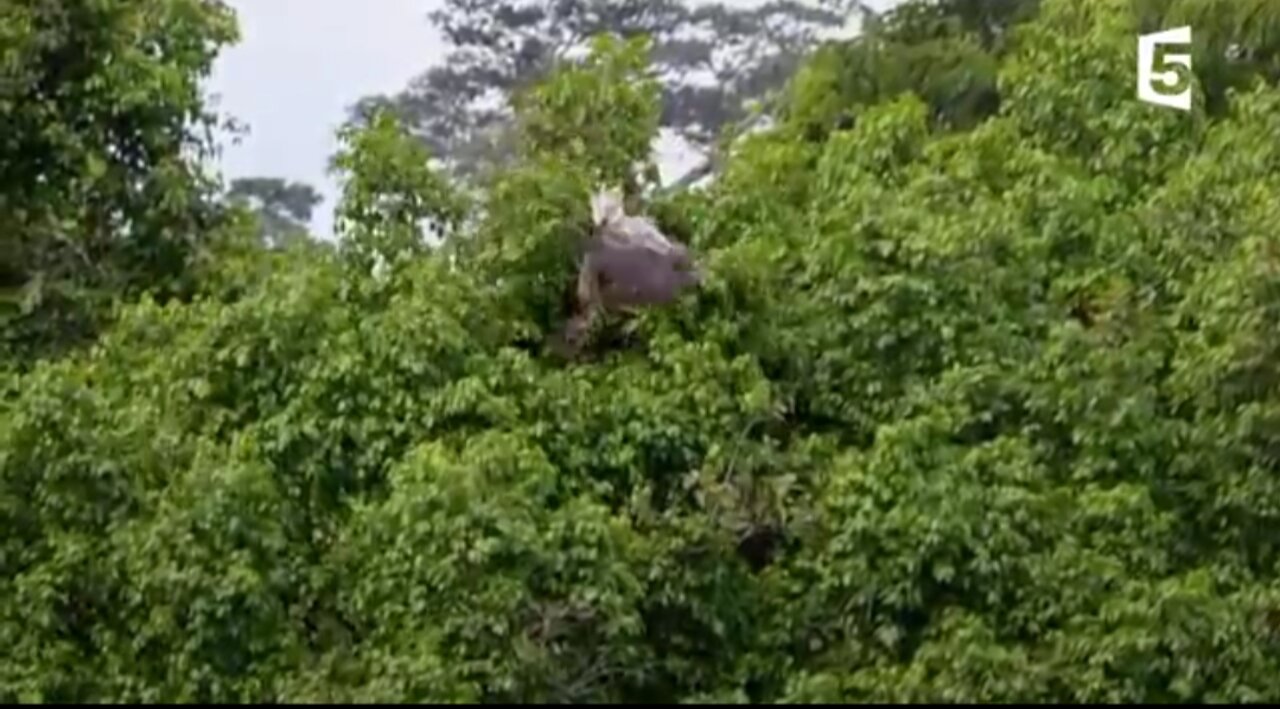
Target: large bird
x,y
628,263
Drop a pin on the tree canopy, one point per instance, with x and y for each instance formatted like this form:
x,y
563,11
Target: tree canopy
x,y
712,62
978,400
100,114
283,207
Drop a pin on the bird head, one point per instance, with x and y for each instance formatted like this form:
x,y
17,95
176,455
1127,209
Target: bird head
x,y
606,206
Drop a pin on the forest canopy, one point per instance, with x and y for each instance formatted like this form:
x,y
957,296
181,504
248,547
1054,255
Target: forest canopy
x,y
978,399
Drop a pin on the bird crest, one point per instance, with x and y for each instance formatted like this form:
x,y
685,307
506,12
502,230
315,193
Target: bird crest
x,y
606,206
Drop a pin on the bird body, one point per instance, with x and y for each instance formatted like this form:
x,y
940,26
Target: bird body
x,y
628,263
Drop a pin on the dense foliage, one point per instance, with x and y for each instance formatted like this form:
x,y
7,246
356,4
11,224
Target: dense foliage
x,y
967,410
100,113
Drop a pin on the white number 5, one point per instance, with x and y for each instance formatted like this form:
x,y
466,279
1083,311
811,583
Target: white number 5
x,y
1164,78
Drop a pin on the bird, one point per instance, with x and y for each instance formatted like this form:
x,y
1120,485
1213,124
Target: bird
x,y
628,264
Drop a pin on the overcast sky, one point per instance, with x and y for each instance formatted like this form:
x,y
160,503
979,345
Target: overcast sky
x,y
300,64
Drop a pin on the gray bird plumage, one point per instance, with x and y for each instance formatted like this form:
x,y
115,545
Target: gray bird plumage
x,y
628,263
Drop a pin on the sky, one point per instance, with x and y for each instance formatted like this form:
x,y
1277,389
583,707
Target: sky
x,y
298,67
300,64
